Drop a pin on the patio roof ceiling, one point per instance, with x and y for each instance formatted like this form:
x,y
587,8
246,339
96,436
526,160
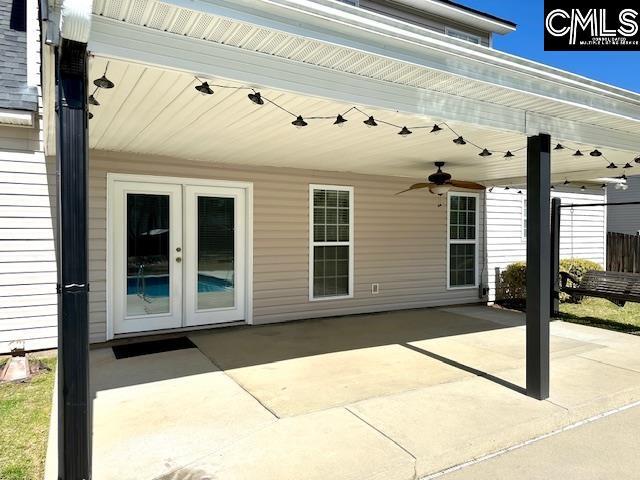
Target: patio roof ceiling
x,y
320,58
159,112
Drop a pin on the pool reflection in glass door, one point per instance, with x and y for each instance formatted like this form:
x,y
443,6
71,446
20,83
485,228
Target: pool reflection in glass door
x,y
147,266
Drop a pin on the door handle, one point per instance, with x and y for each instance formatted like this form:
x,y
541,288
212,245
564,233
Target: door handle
x,y
178,259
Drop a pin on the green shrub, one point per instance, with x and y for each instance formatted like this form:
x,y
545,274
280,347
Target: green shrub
x,y
513,282
513,279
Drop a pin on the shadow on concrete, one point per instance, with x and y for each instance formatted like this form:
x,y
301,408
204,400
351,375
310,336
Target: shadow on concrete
x,y
258,345
467,368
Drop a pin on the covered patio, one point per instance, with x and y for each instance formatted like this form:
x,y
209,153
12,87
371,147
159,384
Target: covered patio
x,y
403,393
392,396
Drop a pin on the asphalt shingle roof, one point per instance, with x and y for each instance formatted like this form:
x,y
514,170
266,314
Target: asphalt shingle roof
x,y
14,91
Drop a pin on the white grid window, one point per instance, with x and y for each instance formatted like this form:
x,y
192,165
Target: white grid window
x,y
331,242
462,240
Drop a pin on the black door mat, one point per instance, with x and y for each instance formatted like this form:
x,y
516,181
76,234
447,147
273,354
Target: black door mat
x,y
154,346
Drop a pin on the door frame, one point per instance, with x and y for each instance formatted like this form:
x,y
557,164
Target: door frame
x,y
112,178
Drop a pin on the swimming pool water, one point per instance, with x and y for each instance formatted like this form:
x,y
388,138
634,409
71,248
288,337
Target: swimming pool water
x,y
158,286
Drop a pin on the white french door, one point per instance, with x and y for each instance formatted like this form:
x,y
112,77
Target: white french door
x,y
178,255
214,255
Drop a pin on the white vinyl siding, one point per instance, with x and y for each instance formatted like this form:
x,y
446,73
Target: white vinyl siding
x,y
462,240
28,273
331,249
582,230
624,218
399,241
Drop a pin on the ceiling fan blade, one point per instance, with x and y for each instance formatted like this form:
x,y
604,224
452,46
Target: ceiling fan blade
x,y
415,186
468,185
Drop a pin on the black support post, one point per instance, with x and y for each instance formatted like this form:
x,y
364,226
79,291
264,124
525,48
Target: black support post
x,y
74,423
555,256
538,264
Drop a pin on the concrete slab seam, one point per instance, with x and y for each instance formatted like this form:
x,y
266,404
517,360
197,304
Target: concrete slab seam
x,y
517,446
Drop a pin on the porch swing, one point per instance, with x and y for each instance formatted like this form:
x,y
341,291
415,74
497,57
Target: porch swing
x,y
617,287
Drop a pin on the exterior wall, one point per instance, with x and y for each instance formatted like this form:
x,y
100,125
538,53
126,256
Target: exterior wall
x,y
582,230
386,7
625,218
399,242
28,301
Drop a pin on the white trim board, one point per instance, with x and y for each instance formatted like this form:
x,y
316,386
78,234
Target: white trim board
x,y
246,186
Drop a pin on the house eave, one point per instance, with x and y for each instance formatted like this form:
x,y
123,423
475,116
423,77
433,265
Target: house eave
x,y
341,24
461,13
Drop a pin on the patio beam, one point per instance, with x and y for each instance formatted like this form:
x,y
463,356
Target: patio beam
x,y
74,423
538,265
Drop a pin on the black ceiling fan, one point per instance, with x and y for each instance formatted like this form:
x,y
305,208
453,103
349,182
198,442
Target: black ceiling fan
x,y
441,182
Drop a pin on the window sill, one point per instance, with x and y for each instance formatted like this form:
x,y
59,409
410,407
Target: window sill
x,y
339,297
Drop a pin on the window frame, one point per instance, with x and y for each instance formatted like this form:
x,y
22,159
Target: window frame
x,y
456,33
313,243
475,242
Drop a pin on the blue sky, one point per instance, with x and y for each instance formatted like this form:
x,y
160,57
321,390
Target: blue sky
x,y
617,68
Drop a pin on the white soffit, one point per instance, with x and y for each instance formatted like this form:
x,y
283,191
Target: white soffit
x,y
158,113
601,106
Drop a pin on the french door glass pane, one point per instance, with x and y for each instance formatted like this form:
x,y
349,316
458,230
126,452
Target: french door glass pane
x,y
148,277
216,252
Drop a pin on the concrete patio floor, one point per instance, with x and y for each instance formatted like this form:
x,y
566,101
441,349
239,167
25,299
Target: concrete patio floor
x,y
387,396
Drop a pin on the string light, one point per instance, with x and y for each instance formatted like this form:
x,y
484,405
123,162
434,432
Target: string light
x,y
103,81
256,98
299,122
340,121
370,122
205,89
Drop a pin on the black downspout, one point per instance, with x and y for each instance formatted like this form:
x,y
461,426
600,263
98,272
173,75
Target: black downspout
x,y
538,264
74,424
555,256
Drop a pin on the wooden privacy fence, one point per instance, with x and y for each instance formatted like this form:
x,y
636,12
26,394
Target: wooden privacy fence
x,y
623,252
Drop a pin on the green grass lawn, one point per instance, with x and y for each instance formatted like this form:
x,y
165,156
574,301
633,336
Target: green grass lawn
x,y
24,424
598,312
